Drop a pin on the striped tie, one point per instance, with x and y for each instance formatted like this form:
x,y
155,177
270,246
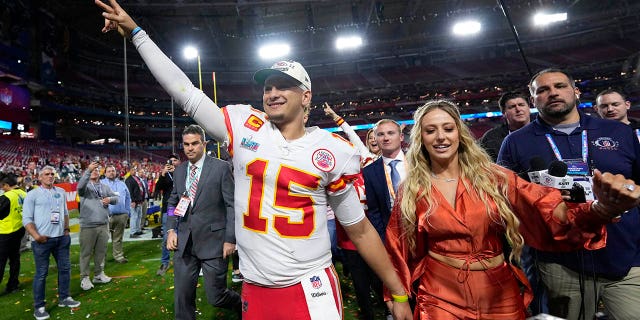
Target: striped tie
x,y
194,183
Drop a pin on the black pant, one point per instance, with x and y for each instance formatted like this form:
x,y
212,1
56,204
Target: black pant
x,y
10,250
364,282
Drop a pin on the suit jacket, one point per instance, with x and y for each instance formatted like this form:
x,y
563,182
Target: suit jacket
x,y
378,196
210,220
137,195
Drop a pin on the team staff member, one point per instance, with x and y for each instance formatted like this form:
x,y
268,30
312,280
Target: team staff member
x,y
285,176
562,132
200,224
11,229
46,218
118,213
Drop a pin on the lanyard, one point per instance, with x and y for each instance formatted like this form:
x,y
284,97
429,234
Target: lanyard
x,y
96,190
556,151
51,198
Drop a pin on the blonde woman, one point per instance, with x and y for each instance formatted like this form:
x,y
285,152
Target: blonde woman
x,y
455,206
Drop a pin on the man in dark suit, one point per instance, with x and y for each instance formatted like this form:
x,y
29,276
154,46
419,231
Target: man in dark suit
x,y
136,190
200,222
382,177
381,180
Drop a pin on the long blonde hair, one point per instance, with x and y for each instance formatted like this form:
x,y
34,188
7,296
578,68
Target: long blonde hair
x,y
477,172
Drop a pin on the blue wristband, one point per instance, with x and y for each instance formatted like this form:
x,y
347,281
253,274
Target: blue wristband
x,y
136,30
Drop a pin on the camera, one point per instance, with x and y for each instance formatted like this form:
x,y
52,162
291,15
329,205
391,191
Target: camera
x,y
170,162
96,159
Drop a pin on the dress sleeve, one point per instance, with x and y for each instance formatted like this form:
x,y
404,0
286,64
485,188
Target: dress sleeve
x,y
398,249
534,204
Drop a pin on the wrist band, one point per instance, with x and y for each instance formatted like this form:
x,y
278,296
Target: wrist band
x,y
136,30
340,121
401,298
67,229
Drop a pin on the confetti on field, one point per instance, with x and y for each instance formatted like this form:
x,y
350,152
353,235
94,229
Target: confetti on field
x,y
88,315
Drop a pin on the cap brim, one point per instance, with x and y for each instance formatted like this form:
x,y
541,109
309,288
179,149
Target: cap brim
x,y
261,75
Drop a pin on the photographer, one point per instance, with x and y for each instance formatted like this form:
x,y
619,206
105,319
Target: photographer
x,y
95,198
163,188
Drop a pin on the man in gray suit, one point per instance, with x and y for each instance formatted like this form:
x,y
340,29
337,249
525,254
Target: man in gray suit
x,y
200,223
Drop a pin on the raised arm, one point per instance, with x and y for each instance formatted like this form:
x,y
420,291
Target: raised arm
x,y
351,134
192,100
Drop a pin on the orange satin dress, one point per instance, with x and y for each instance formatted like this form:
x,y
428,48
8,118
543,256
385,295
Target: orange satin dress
x,y
468,233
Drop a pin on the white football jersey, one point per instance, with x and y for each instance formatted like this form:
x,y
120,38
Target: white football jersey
x,y
281,191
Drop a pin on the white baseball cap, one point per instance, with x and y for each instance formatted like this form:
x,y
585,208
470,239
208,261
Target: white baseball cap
x,y
290,68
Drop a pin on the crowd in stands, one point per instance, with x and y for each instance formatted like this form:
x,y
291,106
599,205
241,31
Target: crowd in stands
x,y
25,158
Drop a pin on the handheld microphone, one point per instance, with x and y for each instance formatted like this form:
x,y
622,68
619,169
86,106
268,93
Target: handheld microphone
x,y
556,177
536,168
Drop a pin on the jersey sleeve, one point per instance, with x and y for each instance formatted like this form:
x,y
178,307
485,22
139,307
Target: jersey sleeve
x,y
241,115
343,196
193,101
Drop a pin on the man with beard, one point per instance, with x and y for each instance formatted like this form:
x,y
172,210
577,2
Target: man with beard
x,y
576,281
516,112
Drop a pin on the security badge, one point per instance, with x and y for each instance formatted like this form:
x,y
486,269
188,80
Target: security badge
x,y
55,213
183,205
581,174
577,167
55,216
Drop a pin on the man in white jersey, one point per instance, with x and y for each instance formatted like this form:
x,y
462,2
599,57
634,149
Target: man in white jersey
x,y
285,177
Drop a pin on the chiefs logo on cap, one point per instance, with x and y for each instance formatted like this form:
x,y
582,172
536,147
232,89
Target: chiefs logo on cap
x,y
254,123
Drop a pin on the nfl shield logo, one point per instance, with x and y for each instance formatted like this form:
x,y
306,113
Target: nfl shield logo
x,y
315,282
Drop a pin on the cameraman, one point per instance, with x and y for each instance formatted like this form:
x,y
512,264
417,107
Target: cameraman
x,y
164,185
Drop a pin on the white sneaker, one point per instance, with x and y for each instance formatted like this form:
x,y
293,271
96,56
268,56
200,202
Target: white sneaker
x,y
101,278
41,314
86,284
68,302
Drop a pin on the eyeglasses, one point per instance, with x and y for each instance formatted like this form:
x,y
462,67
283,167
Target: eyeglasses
x,y
48,174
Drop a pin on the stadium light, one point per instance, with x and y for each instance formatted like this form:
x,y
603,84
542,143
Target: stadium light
x,y
543,19
348,42
274,50
466,28
190,53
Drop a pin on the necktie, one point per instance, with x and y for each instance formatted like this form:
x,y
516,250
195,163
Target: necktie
x,y
194,183
395,176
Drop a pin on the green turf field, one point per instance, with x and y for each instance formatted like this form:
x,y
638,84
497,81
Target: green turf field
x,y
136,292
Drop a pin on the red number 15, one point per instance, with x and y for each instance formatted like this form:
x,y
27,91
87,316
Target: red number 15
x,y
284,199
